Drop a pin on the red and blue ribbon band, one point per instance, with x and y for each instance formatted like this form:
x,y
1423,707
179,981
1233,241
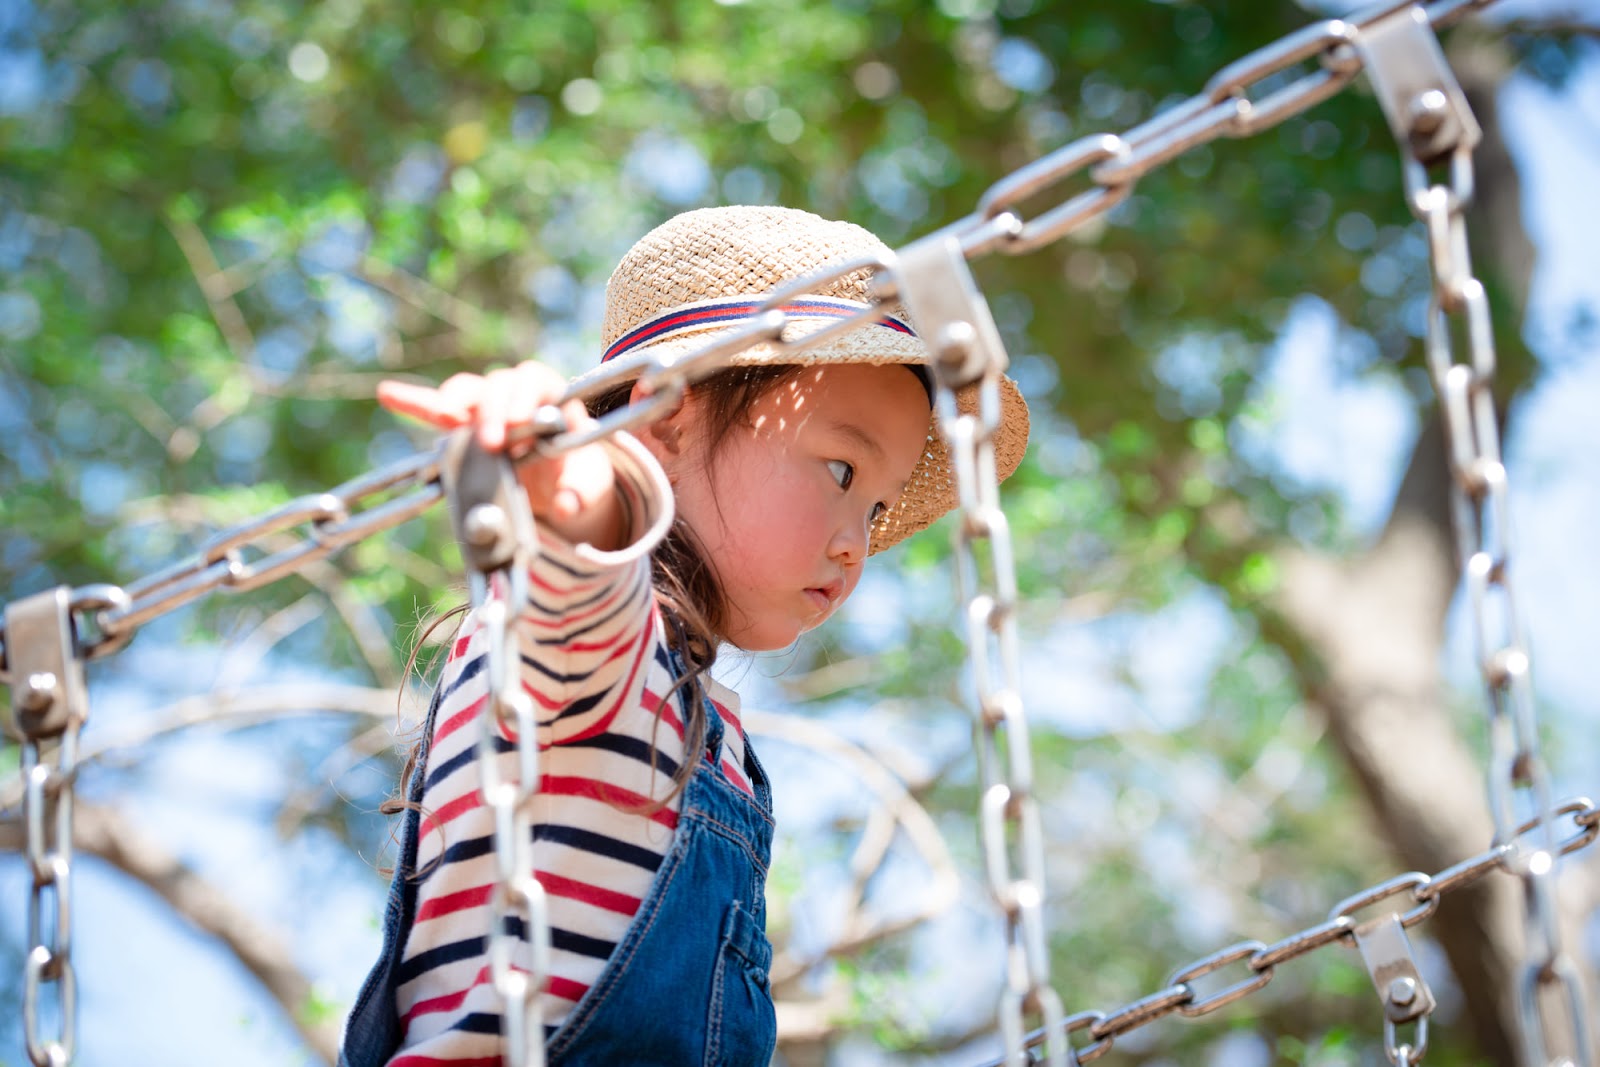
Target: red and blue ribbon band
x,y
732,311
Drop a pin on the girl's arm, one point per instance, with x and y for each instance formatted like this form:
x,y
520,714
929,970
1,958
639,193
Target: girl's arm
x,y
587,631
572,494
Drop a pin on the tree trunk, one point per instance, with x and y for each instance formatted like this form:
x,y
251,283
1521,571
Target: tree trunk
x,y
1366,635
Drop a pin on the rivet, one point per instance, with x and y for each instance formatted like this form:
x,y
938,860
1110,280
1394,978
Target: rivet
x,y
1428,110
484,524
39,691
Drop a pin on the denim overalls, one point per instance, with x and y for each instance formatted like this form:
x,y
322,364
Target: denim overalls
x,y
687,983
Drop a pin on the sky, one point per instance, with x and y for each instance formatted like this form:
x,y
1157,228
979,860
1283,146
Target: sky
x,y
152,991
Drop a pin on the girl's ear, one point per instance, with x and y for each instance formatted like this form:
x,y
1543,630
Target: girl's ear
x,y
666,437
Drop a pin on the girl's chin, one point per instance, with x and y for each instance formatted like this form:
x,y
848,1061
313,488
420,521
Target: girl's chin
x,y
772,638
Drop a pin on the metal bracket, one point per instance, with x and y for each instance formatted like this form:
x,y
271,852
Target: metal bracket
x,y
949,311
1387,953
1421,98
488,507
48,693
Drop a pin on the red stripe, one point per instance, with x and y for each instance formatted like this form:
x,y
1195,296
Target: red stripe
x,y
565,988
603,724
568,587
731,773
446,1001
733,311
665,709
451,809
451,903
459,719
411,1059
683,318
603,605
609,899
618,650
729,717
594,789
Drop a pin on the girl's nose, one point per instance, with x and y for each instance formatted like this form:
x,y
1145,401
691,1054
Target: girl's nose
x,y
850,540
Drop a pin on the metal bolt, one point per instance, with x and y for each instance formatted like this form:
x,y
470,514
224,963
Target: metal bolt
x,y
39,691
954,342
1402,991
1427,111
484,524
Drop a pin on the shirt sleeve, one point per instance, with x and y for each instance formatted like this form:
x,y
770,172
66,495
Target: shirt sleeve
x,y
587,632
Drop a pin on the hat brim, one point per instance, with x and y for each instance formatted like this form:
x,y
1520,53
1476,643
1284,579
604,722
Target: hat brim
x,y
931,491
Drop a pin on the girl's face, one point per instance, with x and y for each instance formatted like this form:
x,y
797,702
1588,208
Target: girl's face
x,y
784,508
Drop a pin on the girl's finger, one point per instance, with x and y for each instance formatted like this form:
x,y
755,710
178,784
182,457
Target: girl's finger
x,y
463,392
494,409
584,480
423,402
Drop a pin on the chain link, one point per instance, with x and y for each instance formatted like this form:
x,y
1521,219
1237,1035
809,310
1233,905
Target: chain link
x,y
1518,777
1179,996
48,772
1247,97
1009,814
518,906
1253,94
1114,162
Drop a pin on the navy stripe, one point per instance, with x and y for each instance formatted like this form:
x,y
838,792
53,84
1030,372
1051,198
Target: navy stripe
x,y
470,849
450,766
566,637
529,663
581,706
565,940
479,1022
453,952
636,748
470,671
619,744
573,608
600,844
716,313
556,564
706,313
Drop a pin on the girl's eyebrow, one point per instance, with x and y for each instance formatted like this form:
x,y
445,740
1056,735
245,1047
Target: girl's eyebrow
x,y
859,436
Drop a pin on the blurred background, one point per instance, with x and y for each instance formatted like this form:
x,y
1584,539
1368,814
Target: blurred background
x,y
1250,677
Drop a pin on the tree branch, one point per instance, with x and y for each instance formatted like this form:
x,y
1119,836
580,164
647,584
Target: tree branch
x,y
104,833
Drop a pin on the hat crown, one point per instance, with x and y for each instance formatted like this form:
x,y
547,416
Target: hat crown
x,y
720,252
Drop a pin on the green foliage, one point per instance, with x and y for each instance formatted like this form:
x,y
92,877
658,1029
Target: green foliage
x,y
235,220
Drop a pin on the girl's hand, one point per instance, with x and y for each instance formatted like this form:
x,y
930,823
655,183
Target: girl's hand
x,y
573,494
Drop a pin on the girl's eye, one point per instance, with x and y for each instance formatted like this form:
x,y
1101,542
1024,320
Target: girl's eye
x,y
843,473
879,510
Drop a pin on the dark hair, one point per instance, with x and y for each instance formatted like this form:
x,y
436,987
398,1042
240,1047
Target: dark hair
x,y
687,591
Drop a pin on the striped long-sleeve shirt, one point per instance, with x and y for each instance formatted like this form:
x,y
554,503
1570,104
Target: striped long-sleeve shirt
x,y
595,662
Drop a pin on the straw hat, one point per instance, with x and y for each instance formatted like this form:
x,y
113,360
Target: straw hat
x,y
704,272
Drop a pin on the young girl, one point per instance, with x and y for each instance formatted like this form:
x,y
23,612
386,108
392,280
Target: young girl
x,y
653,823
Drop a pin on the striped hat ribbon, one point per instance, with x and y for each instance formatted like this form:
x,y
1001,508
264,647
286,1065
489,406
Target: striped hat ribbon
x,y
728,312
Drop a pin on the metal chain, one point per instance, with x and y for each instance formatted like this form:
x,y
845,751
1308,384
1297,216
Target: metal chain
x,y
49,705
1179,996
494,525
1113,164
1007,806
47,808
1518,776
518,907
109,615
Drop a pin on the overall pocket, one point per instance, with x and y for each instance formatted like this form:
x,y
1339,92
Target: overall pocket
x,y
741,1024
